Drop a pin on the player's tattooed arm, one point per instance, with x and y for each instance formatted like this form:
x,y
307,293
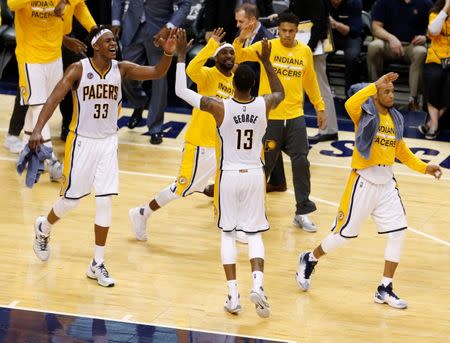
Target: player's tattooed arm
x,y
214,106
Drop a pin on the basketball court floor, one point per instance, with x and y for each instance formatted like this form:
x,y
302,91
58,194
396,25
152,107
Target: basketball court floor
x,y
175,282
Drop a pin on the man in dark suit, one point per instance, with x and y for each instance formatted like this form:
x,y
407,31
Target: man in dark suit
x,y
219,13
142,24
245,14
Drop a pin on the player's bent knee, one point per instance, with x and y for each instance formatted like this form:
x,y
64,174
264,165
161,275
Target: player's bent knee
x,y
228,249
255,245
64,205
103,211
394,246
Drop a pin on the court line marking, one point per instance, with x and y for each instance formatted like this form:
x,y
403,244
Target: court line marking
x,y
127,318
143,323
13,303
330,203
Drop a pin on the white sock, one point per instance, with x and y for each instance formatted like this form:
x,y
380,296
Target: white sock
x,y
386,281
99,256
232,288
257,280
147,211
312,258
46,227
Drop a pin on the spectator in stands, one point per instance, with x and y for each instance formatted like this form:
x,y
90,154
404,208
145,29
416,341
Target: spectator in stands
x,y
219,13
316,11
245,14
142,26
346,25
437,67
399,28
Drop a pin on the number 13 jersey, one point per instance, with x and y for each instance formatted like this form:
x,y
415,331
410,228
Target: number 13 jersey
x,y
97,101
240,135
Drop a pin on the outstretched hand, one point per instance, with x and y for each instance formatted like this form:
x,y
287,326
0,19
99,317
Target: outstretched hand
x,y
182,44
266,48
386,79
170,43
434,170
248,30
218,34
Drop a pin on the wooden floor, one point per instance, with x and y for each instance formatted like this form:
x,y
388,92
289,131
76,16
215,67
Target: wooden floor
x,y
176,278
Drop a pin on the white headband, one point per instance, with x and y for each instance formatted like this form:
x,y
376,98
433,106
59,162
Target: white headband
x,y
226,45
98,35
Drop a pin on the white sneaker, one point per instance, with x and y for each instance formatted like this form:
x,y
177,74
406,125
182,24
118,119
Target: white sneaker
x,y
55,170
261,304
40,245
232,305
138,223
98,272
385,294
241,237
14,144
302,221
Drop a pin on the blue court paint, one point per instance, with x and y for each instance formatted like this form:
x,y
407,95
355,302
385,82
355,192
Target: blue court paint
x,y
17,325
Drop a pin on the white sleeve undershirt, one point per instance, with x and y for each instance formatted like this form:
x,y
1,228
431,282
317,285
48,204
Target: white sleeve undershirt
x,y
435,27
181,90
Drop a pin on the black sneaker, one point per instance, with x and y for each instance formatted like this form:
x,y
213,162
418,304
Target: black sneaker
x,y
305,269
385,294
423,129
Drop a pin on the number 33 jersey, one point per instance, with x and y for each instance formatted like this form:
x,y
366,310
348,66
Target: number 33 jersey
x,y
240,134
97,101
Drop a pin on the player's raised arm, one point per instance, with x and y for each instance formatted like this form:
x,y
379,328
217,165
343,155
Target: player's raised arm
x,y
210,104
277,96
71,77
134,71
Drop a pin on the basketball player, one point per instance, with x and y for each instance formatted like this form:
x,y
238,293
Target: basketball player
x,y
286,129
39,35
240,181
371,188
91,146
198,162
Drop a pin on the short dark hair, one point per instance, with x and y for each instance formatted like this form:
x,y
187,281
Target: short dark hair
x,y
289,17
244,78
251,10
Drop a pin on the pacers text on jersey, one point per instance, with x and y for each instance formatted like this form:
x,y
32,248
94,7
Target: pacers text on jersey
x,y
100,91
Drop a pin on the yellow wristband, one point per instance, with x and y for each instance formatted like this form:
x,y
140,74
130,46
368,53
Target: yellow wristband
x,y
168,55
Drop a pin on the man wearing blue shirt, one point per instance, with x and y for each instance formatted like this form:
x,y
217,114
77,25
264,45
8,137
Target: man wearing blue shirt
x,y
346,24
399,28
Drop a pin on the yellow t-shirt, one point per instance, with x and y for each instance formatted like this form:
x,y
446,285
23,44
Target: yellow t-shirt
x,y
295,68
440,44
385,147
38,31
210,82
78,9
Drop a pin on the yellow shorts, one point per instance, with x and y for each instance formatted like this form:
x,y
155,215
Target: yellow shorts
x,y
198,165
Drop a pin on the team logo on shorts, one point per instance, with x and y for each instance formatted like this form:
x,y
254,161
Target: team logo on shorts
x,y
90,76
182,180
270,145
341,215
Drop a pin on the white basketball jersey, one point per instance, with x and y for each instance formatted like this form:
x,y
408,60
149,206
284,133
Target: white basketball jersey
x,y
97,101
241,134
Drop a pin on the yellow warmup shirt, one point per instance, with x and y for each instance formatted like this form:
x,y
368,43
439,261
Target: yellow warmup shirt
x,y
440,44
38,31
210,82
385,147
78,9
295,68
